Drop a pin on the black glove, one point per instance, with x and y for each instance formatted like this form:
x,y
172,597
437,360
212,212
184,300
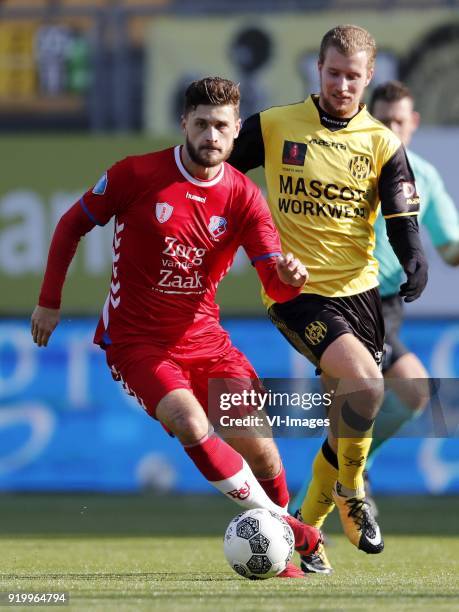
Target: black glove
x,y
403,234
416,273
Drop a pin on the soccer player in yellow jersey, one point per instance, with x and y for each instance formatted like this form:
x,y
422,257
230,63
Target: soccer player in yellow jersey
x,y
346,165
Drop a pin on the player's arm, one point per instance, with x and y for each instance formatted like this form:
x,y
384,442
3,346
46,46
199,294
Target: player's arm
x,y
96,207
249,148
71,227
282,276
400,208
291,271
441,219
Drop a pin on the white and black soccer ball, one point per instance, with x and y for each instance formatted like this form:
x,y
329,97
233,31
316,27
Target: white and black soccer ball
x,y
258,544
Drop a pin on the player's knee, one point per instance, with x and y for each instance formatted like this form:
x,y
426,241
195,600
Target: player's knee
x,y
413,393
416,400
420,405
374,391
189,428
181,413
366,400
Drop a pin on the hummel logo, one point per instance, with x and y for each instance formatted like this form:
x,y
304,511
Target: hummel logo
x,y
191,196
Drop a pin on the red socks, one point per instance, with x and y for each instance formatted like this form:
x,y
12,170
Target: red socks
x,y
276,488
214,458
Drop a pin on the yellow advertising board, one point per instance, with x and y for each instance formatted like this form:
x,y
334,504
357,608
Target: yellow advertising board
x,y
274,57
17,64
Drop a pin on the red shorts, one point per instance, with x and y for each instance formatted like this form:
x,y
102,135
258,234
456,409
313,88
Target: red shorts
x,y
149,373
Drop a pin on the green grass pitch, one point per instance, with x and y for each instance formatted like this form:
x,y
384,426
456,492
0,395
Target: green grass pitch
x,y
165,553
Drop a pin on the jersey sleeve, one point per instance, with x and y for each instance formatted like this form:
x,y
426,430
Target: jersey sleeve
x,y
272,284
261,242
397,188
249,149
111,194
260,238
441,217
71,227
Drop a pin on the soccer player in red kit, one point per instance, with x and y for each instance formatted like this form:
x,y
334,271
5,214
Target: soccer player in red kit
x,y
180,215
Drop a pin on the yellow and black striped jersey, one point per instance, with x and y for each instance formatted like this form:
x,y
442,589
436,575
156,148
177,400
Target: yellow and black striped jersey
x,y
326,178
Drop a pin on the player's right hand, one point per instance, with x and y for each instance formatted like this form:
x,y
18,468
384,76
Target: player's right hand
x,y
416,279
43,322
291,271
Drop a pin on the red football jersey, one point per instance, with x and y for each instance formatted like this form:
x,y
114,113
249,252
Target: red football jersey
x,y
175,238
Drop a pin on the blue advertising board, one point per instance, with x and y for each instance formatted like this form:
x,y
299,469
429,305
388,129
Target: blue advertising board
x,y
66,425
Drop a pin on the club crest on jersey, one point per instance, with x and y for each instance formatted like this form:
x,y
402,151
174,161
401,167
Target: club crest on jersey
x,y
217,226
360,166
101,186
163,211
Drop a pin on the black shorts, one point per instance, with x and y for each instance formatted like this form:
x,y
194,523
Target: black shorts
x,y
392,309
312,322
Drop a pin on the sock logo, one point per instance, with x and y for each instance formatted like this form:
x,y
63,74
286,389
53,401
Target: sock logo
x,y
241,493
325,499
354,462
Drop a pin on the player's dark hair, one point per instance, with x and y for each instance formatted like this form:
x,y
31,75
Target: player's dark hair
x,y
214,91
391,91
349,39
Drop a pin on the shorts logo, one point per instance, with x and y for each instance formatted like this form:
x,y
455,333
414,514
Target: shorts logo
x,y
101,185
163,211
294,153
360,166
315,332
217,226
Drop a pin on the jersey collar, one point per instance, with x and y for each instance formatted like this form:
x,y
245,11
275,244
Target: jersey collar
x,y
192,179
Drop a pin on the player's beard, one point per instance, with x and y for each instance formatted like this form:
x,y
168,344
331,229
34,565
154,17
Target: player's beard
x,y
329,107
201,160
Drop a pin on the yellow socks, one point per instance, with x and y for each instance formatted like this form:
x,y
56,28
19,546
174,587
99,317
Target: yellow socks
x,y
352,455
318,502
354,441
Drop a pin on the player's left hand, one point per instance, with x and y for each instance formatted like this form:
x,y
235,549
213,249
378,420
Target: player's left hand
x,y
416,279
291,271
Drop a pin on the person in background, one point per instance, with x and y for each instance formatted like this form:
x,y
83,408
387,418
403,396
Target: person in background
x,y
392,103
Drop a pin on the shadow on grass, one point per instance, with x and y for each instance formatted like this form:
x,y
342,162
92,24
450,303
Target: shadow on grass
x,y
147,515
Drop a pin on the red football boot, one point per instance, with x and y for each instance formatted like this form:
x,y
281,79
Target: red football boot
x,y
292,571
307,538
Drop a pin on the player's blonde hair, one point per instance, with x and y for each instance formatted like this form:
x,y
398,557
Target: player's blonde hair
x,y
349,39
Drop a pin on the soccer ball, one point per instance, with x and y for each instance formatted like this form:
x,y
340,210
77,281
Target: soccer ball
x,y
258,544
